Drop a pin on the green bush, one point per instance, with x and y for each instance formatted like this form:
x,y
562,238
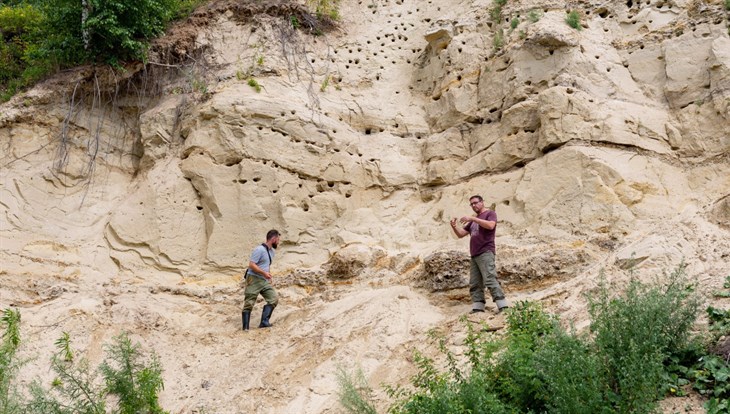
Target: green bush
x,y
75,389
534,15
42,36
9,366
131,379
135,382
498,40
574,381
453,391
325,8
573,20
636,333
639,348
19,27
354,392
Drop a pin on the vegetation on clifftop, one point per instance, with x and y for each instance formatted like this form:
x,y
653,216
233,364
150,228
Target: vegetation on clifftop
x,y
43,36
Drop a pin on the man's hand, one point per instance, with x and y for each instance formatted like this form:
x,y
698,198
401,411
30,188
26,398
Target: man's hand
x,y
466,219
453,222
267,275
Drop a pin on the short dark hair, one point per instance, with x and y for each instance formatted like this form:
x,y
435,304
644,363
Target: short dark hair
x,y
477,196
271,234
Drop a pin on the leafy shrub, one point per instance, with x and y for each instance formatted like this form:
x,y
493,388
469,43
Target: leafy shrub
x,y
639,348
9,400
573,20
325,8
515,373
573,375
453,391
534,15
498,40
514,23
75,389
254,84
636,333
19,26
354,392
530,319
42,36
110,31
133,381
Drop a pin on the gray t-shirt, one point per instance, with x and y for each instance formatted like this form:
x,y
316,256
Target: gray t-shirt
x,y
261,258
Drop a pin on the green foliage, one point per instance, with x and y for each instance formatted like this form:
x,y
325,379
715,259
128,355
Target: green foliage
x,y
514,23
574,381
64,347
636,333
534,15
638,350
496,12
498,40
325,83
515,374
719,321
75,388
129,378
530,319
708,374
727,4
573,20
456,390
43,36
726,285
294,22
9,366
325,8
254,84
354,393
19,26
118,30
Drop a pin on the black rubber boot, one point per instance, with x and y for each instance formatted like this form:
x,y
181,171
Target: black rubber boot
x,y
265,315
246,316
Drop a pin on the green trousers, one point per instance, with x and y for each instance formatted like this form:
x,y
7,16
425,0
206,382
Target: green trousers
x,y
254,287
484,274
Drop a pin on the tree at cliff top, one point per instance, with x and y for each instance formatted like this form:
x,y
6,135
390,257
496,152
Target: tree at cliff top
x,y
40,37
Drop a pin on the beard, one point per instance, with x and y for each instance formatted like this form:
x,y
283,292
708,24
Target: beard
x,y
275,245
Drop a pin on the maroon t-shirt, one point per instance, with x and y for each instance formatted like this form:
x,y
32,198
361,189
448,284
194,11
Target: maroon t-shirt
x,y
482,240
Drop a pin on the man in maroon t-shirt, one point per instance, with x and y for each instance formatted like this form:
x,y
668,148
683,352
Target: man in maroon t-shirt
x,y
481,248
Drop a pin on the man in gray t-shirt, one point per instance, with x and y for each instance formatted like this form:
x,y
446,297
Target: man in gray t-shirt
x,y
258,280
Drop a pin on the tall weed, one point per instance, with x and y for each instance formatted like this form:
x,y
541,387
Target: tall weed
x,y
354,393
127,376
9,366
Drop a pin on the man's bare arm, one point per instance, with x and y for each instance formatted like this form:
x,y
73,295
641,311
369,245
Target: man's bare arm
x,y
253,266
489,225
460,232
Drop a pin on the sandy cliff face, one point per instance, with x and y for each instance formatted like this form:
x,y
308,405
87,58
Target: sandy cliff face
x,y
136,208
